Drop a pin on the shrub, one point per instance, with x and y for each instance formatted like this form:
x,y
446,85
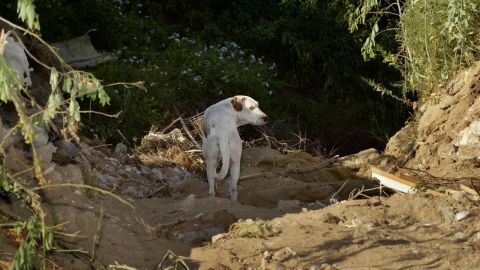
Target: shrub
x,y
436,38
187,70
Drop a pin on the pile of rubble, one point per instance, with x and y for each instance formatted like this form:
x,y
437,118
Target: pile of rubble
x,y
443,139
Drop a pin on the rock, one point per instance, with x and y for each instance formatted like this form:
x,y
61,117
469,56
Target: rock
x,y
70,174
288,205
65,150
17,60
158,173
44,149
16,161
284,254
462,215
188,203
120,152
217,237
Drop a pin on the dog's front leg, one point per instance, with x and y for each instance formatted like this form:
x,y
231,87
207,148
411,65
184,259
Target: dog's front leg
x,y
234,175
236,155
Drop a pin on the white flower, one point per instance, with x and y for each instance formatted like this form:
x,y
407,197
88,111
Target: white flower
x,y
198,54
223,50
197,78
252,58
225,79
270,92
273,66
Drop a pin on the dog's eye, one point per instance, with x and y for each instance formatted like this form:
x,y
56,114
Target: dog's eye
x,y
251,108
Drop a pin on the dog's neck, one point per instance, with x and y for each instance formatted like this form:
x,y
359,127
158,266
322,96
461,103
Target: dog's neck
x,y
241,122
238,120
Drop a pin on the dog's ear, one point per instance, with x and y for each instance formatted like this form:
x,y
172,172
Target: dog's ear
x,y
237,103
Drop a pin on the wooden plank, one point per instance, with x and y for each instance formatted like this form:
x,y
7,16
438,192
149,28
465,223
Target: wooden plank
x,y
392,181
398,183
469,190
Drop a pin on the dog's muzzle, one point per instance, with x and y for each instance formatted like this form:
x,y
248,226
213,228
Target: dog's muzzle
x,y
263,120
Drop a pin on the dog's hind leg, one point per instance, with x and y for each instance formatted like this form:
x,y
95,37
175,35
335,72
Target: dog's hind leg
x,y
211,150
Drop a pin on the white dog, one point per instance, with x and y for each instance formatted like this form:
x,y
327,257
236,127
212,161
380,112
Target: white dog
x,y
220,122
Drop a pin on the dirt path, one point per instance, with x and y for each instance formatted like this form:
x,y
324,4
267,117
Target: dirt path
x,y
291,194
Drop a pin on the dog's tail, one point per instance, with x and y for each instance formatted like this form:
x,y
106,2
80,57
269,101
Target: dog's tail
x,y
225,153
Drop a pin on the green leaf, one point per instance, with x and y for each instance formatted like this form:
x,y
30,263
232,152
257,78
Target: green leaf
x,y
54,76
67,84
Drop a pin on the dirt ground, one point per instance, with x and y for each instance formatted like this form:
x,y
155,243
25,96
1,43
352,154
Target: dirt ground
x,y
292,194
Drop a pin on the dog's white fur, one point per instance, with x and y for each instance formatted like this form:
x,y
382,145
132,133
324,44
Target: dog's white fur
x,y
220,122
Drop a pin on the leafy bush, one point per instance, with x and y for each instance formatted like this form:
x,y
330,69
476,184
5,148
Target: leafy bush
x,y
441,37
319,61
436,38
187,70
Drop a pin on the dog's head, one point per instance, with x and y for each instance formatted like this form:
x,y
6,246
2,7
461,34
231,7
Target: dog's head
x,y
248,111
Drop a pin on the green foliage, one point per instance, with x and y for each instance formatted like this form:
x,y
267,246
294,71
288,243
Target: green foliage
x,y
187,70
79,85
437,38
26,12
319,61
252,228
5,186
8,81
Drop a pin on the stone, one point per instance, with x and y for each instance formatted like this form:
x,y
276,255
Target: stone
x,y
188,203
217,237
288,205
283,254
158,173
66,149
120,152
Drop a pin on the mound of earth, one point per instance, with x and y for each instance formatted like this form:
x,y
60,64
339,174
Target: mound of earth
x,y
400,232
443,139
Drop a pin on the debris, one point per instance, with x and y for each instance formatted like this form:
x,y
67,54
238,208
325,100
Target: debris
x,y
288,205
171,149
188,203
355,223
158,173
217,237
470,191
14,54
120,152
80,53
447,214
284,254
392,181
172,261
462,215
251,228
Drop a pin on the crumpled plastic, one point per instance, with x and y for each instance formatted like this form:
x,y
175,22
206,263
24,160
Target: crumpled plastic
x,y
14,54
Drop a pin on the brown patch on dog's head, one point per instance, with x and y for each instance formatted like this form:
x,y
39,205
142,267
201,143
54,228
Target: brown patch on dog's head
x,y
237,103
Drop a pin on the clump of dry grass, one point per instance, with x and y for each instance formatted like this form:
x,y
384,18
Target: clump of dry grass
x,y
174,148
